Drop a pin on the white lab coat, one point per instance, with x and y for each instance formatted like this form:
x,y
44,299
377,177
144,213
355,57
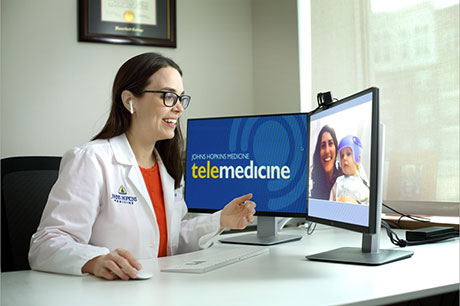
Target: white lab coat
x,y
100,202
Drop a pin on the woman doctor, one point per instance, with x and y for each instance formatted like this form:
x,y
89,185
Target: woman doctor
x,y
119,197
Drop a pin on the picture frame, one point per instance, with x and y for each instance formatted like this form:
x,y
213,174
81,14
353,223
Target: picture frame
x,y
133,22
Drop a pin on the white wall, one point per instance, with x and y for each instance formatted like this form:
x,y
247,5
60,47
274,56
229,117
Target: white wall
x,y
56,91
276,56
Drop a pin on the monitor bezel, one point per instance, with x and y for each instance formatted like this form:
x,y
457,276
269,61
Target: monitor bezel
x,y
258,212
374,168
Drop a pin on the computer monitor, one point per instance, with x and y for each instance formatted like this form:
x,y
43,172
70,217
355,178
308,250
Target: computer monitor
x,y
345,176
264,155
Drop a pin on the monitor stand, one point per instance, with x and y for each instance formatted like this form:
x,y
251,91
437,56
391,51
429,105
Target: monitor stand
x,y
267,234
369,253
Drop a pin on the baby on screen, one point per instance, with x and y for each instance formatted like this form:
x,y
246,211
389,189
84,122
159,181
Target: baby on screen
x,y
350,187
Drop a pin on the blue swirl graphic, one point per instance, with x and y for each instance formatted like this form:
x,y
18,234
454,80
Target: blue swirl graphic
x,y
276,141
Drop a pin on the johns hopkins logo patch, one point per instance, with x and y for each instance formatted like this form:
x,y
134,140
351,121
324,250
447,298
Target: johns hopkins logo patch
x,y
122,197
122,190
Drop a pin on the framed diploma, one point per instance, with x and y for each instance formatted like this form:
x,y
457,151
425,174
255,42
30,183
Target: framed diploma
x,y
135,22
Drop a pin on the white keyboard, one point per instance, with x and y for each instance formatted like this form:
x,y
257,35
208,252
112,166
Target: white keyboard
x,y
214,258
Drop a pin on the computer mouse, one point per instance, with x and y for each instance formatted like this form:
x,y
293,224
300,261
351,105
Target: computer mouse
x,y
143,274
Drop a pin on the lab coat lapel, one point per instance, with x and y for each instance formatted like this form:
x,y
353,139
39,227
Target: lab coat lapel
x,y
167,182
137,181
124,155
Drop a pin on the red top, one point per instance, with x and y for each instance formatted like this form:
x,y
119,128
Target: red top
x,y
153,182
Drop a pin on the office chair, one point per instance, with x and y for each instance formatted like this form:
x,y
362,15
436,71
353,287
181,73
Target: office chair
x,y
26,183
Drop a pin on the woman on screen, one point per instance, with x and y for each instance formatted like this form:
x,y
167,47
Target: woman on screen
x,y
324,171
119,197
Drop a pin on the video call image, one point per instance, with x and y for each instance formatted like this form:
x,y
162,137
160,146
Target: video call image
x,y
262,155
339,162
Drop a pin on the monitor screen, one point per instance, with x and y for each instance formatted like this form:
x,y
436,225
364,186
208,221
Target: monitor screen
x,y
263,155
343,163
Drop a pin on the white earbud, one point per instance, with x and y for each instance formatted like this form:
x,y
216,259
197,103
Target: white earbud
x,y
131,110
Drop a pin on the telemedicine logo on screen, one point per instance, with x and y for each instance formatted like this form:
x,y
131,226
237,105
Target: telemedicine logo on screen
x,y
263,155
240,172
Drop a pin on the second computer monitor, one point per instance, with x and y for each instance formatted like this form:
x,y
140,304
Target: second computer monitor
x,y
343,163
345,181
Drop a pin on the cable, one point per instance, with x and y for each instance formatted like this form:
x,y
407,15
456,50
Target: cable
x,y
403,243
393,237
282,222
415,218
409,216
311,228
395,224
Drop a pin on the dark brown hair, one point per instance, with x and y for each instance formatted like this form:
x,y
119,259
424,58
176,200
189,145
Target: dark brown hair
x,y
134,76
321,184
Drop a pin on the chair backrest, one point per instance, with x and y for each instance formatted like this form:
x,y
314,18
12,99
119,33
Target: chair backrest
x,y
26,183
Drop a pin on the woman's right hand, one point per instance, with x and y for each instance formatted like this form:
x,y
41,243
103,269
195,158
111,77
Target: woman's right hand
x,y
118,264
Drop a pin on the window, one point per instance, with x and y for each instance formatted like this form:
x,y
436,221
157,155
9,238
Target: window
x,y
410,51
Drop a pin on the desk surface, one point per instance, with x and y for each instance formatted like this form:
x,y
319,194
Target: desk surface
x,y
279,277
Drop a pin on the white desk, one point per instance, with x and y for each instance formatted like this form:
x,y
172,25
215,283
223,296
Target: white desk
x,y
282,277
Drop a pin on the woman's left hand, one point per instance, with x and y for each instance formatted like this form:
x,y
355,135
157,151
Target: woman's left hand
x,y
238,213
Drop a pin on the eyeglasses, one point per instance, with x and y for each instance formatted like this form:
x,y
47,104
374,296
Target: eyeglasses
x,y
170,98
